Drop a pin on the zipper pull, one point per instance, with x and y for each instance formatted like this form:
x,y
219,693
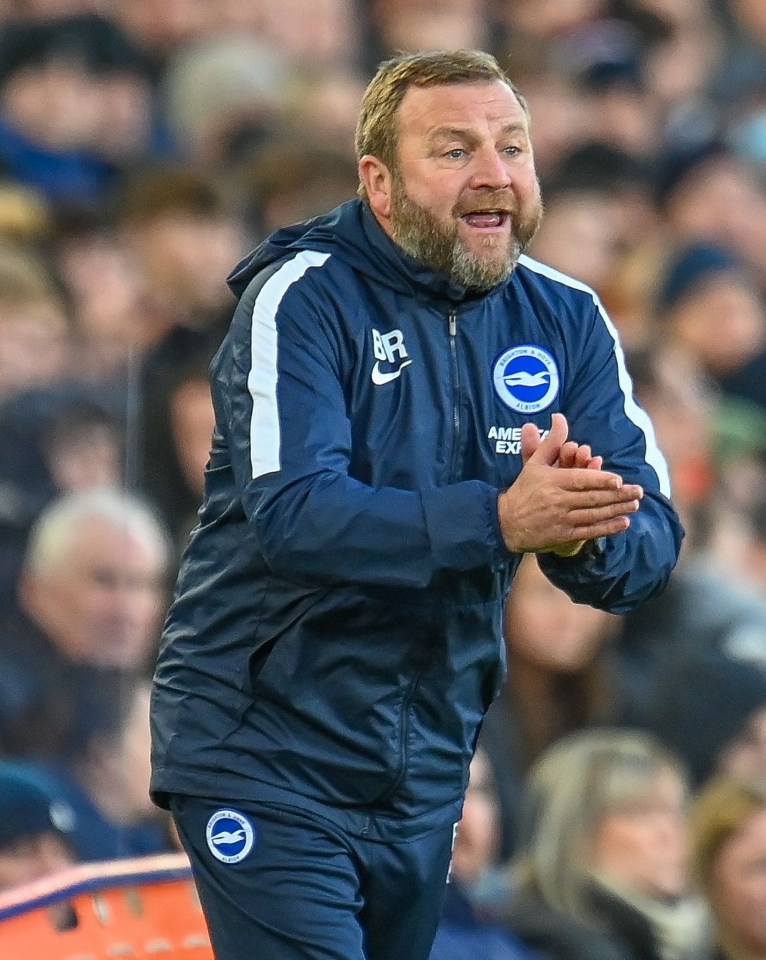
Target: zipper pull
x,y
453,324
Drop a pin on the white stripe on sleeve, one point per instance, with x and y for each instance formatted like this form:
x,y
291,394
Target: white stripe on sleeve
x,y
262,379
633,411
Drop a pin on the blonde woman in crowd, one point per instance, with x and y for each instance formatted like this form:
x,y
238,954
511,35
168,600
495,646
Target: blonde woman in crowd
x,y
601,872
729,857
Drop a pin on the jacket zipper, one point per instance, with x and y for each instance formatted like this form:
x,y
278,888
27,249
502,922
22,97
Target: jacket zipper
x,y
452,328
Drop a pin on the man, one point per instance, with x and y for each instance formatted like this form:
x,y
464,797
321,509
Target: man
x,y
90,598
36,826
378,468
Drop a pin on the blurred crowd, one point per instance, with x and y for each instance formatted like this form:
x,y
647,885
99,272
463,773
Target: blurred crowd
x,y
617,807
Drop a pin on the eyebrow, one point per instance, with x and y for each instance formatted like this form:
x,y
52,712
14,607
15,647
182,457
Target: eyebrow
x,y
459,133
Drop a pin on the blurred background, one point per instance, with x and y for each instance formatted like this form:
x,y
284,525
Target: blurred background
x,y
146,146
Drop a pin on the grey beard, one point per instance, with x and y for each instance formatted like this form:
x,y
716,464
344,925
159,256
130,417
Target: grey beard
x,y
478,274
428,242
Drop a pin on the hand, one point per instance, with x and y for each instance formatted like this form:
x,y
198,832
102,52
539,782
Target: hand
x,y
562,498
571,454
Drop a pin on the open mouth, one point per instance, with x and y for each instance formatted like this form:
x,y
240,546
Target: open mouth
x,y
485,219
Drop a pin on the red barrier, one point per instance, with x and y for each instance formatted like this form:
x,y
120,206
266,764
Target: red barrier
x,y
139,909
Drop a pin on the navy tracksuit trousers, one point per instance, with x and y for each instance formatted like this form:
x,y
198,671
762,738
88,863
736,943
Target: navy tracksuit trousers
x,y
281,883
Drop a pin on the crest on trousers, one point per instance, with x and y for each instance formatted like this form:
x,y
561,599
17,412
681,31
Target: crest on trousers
x,y
230,836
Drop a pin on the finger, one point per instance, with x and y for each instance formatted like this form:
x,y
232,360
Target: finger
x,y
530,441
579,478
595,499
568,455
587,516
583,456
595,463
604,528
549,448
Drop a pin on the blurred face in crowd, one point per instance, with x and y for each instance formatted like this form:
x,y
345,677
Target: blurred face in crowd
x,y
544,627
717,198
101,602
478,832
31,858
164,27
745,756
311,32
192,420
579,236
547,18
643,847
432,24
723,323
738,886
63,105
183,256
463,197
752,16
34,346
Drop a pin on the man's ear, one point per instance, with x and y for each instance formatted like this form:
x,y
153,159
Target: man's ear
x,y
377,181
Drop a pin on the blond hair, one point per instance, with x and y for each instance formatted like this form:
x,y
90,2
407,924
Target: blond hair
x,y
719,812
569,790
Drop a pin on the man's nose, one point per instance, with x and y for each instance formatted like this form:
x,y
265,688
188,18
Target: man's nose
x,y
490,169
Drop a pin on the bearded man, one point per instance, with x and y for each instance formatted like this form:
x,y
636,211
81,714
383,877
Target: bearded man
x,y
393,405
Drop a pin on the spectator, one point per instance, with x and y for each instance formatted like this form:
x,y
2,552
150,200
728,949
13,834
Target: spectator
x,y
710,304
218,87
36,826
182,236
289,179
708,605
711,709
729,856
90,598
428,25
316,34
463,932
35,334
601,872
178,427
579,235
707,193
107,785
75,106
103,284
559,680
57,440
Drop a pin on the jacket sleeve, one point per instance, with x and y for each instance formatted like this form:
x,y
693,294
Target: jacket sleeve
x,y
280,386
620,571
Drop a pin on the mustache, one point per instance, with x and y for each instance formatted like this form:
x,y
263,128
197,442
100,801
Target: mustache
x,y
499,201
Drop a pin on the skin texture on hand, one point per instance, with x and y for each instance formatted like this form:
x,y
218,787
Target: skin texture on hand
x,y
562,498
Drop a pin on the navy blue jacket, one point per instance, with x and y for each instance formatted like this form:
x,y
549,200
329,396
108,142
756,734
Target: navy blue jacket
x,y
335,636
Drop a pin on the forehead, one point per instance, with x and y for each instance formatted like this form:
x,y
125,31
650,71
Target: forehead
x,y
425,110
101,542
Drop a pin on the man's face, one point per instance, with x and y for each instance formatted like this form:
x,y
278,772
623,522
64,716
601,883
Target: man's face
x,y
102,604
464,194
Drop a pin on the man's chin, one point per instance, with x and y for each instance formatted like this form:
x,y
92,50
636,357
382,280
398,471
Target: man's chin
x,y
481,273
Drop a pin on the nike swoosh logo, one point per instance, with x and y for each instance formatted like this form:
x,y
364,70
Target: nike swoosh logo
x,y
379,378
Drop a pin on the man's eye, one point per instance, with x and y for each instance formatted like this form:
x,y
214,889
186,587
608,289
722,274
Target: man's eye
x,y
456,153
512,151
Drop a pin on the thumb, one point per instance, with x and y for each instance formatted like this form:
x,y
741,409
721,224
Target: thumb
x,y
547,451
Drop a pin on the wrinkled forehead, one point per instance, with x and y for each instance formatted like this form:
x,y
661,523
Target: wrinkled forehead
x,y
425,111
